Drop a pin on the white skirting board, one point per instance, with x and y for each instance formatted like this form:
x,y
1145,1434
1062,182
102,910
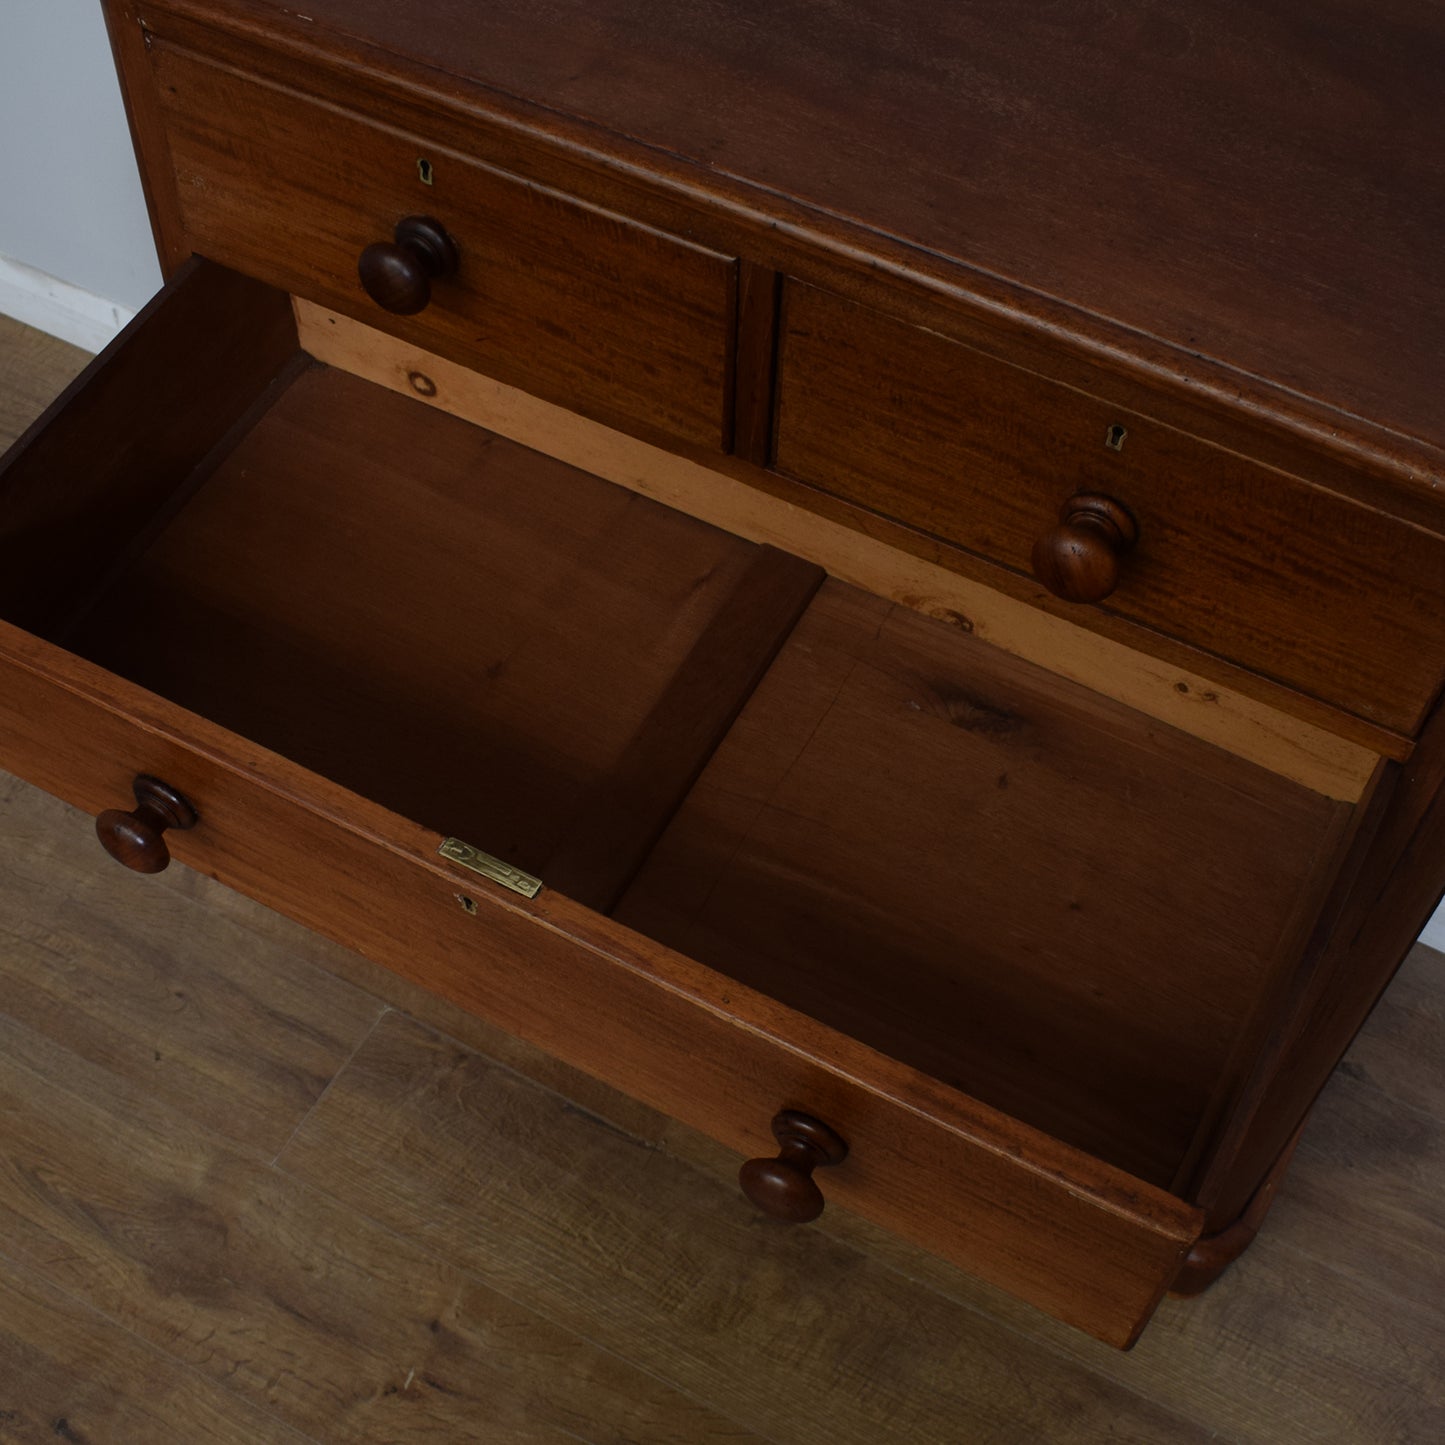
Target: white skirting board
x,y
58,308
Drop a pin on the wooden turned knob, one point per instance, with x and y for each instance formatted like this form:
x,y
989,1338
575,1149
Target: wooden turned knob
x,y
136,838
397,274
1079,559
784,1187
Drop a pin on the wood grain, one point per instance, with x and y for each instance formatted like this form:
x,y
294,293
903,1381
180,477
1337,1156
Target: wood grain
x,y
1214,1254
996,165
755,365
1338,600
1292,1347
617,822
109,455
232,1032
1366,1169
1306,752
1299,1341
35,368
1286,1349
1408,864
492,643
264,927
978,869
802,1336
44,842
193,1249
1407,1023
1077,1237
613,318
1387,891
67,1373
130,41
1296,1346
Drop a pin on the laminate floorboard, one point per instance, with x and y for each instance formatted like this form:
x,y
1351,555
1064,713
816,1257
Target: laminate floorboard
x,y
234,1032
808,1340
1369,1171
1406,1029
435,1140
69,1374
34,369
282,935
297,1304
462,1239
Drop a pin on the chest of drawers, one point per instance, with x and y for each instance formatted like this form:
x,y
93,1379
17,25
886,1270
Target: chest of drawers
x,y
727,549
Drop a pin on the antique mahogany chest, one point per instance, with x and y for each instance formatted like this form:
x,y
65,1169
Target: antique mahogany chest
x,y
869,574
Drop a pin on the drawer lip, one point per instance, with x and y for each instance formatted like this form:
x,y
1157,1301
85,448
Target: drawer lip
x,y
1082,1239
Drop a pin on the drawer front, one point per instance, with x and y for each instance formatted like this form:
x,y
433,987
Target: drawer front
x,y
1301,585
1085,1242
614,319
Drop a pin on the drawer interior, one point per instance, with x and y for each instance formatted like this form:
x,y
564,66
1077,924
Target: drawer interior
x,y
482,639
997,877
1020,887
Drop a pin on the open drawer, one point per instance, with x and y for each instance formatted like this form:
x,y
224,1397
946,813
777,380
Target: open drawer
x,y
799,849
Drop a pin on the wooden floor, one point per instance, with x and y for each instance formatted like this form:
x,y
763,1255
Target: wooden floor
x,y
251,1189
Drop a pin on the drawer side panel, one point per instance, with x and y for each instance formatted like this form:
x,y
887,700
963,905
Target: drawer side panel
x,y
83,484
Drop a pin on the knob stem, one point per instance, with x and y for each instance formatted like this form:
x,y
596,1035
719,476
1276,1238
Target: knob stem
x,y
397,274
784,1187
136,839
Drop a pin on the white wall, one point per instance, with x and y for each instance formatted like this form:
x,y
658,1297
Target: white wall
x,y
76,255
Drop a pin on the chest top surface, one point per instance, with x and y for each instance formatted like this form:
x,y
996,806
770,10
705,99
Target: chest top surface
x,y
1258,187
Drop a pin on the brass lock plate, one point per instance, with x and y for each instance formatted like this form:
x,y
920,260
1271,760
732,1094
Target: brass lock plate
x,y
456,851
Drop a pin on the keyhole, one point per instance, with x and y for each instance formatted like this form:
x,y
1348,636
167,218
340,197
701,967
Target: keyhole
x,y
423,169
1114,438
